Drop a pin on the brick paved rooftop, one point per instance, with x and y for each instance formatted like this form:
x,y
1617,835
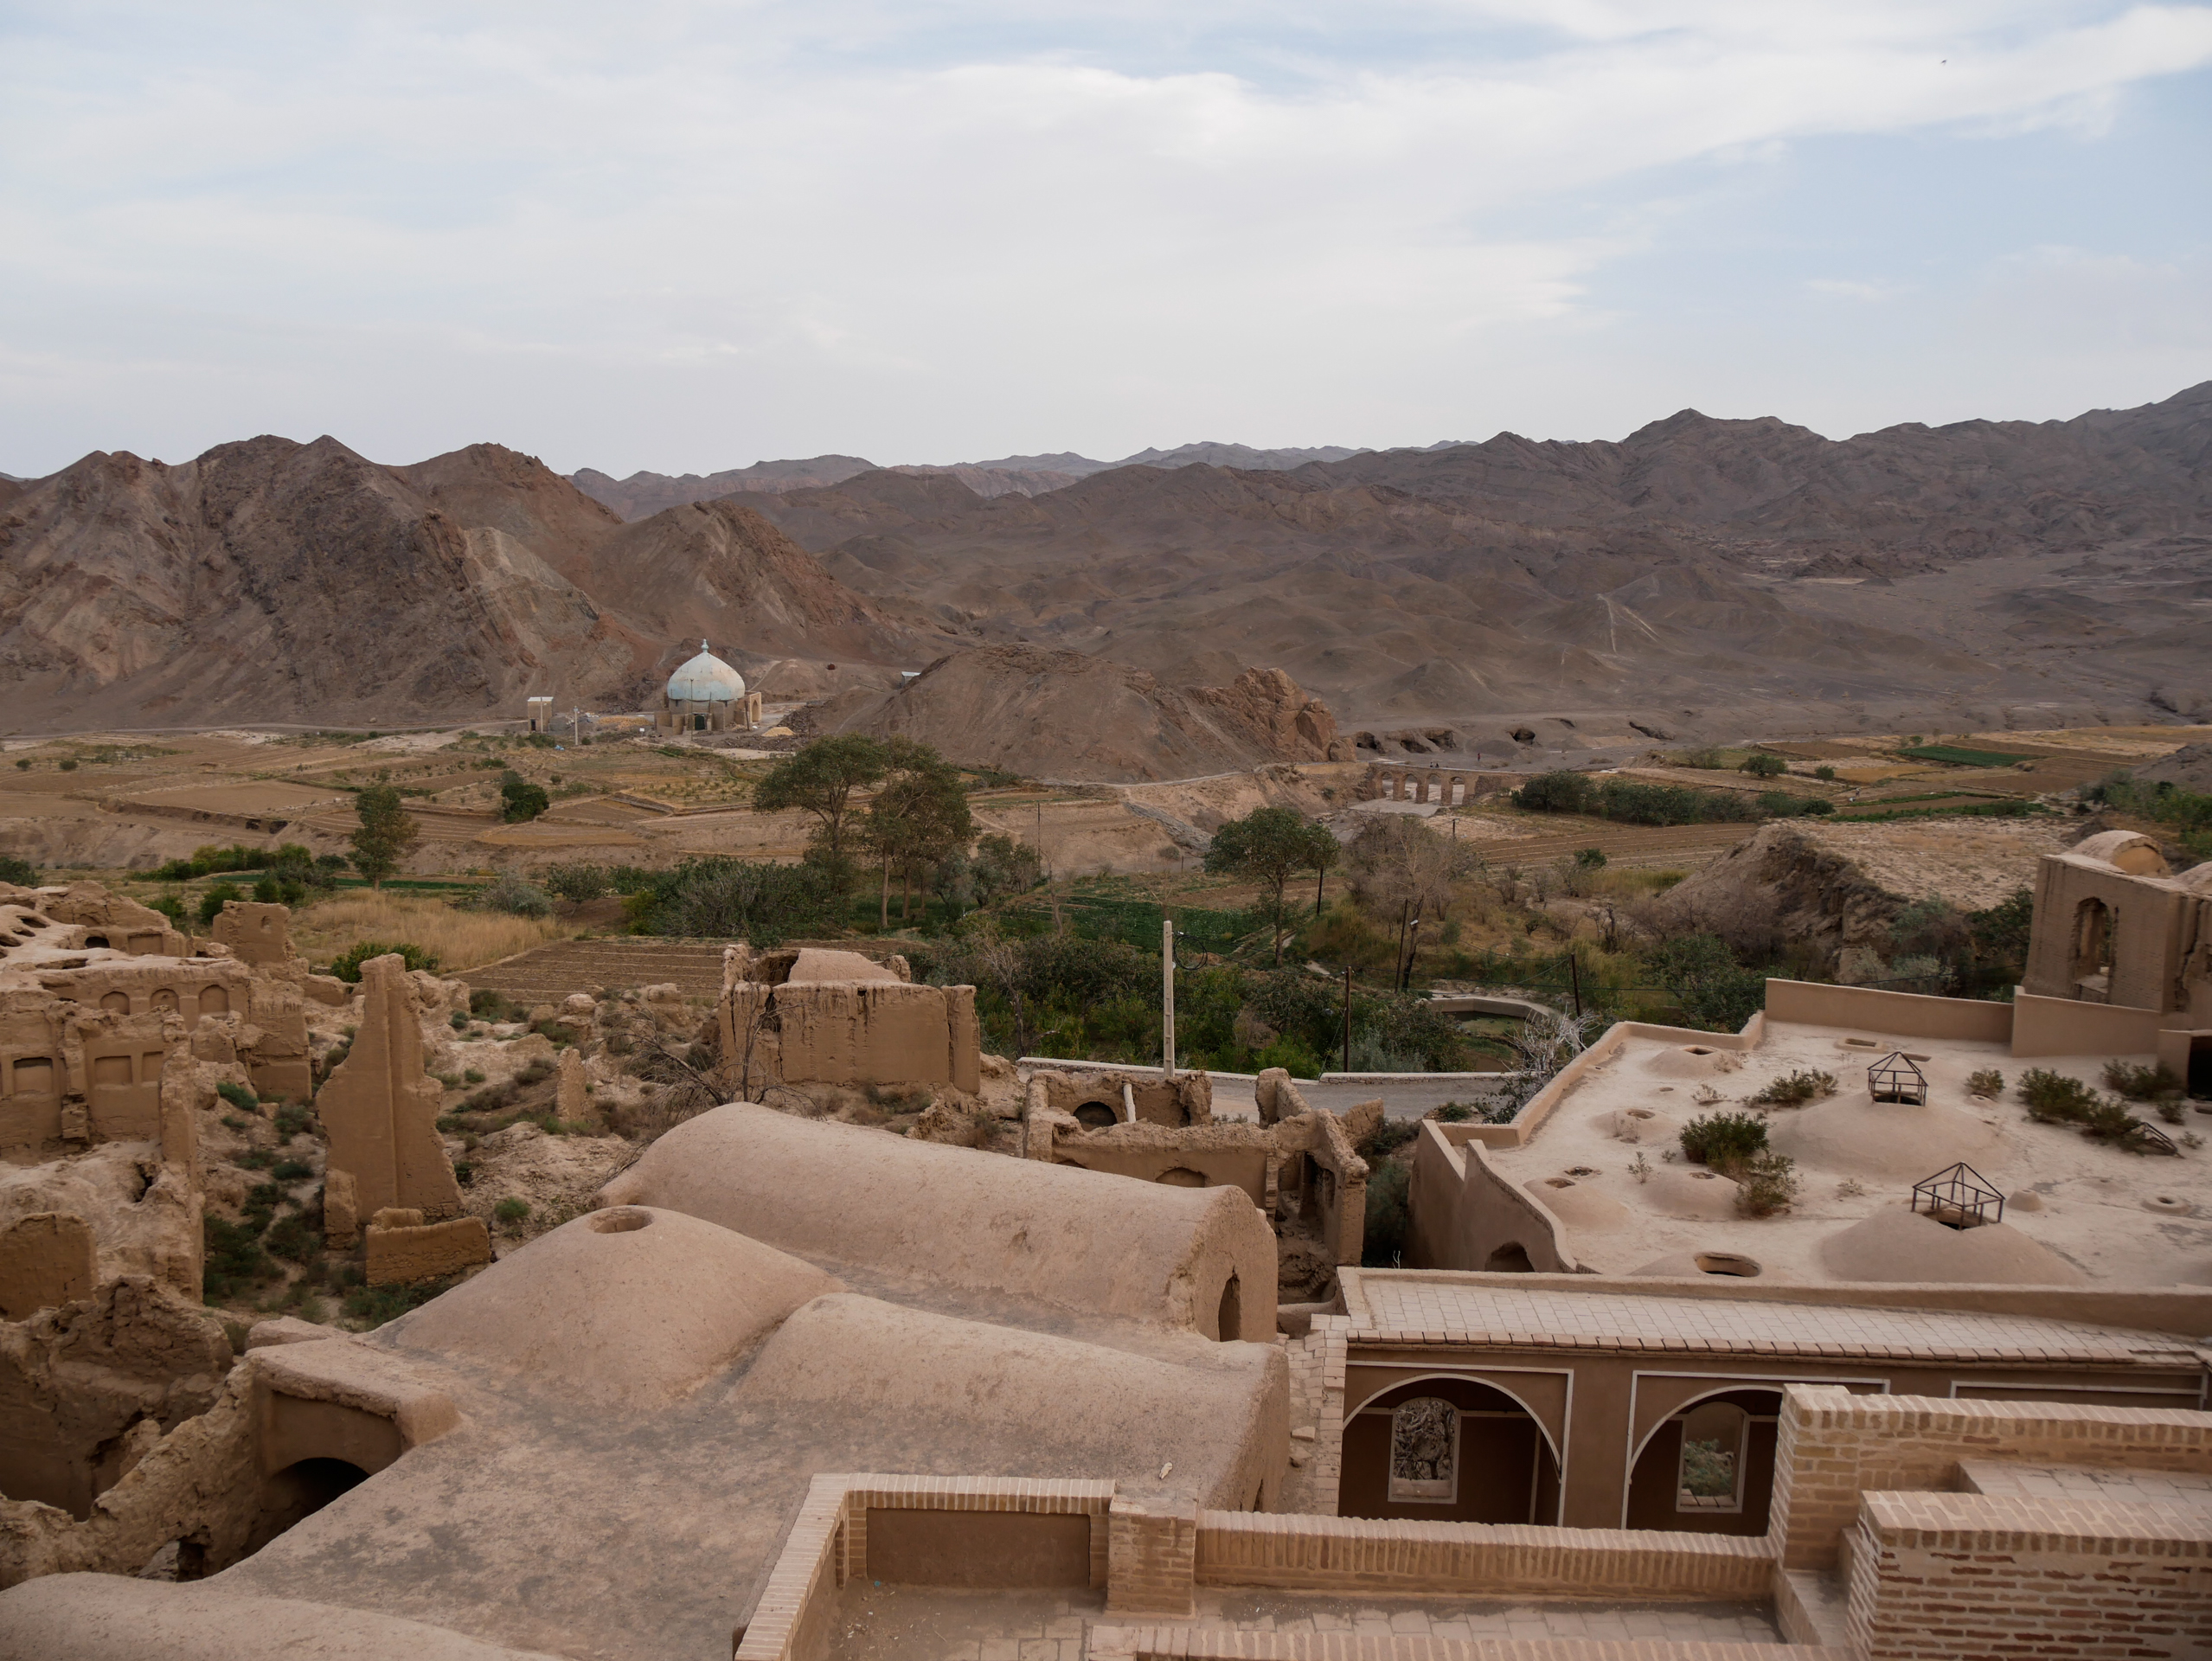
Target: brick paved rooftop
x,y
1393,1307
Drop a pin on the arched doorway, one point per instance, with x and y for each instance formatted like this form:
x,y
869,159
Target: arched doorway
x,y
299,1490
2094,925
1709,1468
1512,1258
1229,1318
1448,1450
1182,1176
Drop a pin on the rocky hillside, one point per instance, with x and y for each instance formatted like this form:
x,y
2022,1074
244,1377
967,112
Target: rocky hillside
x,y
1065,715
1832,891
1693,571
270,580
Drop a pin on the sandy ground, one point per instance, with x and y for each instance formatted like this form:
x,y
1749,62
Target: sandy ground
x,y
2112,1215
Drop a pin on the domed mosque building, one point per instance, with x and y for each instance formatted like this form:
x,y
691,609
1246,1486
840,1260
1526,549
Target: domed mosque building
x,y
707,696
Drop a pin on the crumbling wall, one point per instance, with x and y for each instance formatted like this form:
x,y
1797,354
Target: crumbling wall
x,y
255,933
46,1258
854,1032
77,1382
108,920
379,1110
403,1248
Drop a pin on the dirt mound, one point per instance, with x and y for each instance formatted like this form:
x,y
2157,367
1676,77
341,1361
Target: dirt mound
x,y
1895,1244
1838,887
1067,715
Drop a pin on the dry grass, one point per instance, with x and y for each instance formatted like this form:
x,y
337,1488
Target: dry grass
x,y
462,939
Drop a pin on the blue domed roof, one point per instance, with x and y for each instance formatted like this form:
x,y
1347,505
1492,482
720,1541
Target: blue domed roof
x,y
706,679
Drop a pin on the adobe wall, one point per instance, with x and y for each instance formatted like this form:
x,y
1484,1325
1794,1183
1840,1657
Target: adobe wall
x,y
2062,1026
1186,1098
1464,1212
46,1258
78,1380
1898,1014
855,1033
404,1252
380,1110
256,933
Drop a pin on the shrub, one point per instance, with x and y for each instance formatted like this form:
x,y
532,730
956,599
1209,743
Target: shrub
x,y
255,1159
68,763
1824,773
290,1121
2141,1083
291,1171
1988,1082
489,1005
218,895
457,1021
234,1259
1760,765
19,871
575,880
347,966
520,800
514,893
294,1237
2053,1098
1590,859
239,1097
1387,1137
1388,1214
1724,1141
371,1306
1765,1183
1795,1089
511,1211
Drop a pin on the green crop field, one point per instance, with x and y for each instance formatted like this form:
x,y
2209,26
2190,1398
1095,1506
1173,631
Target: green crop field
x,y
1961,758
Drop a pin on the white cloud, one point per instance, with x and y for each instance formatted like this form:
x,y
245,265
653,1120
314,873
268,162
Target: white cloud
x,y
918,233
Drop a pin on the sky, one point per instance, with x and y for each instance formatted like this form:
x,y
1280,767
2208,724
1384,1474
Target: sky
x,y
689,237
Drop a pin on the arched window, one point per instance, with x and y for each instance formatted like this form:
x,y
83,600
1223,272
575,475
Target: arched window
x,y
1183,1176
1425,1452
1711,1478
165,999
118,1002
1096,1116
214,1000
1229,1318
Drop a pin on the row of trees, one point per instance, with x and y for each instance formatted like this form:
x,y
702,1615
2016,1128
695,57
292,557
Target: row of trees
x,y
916,820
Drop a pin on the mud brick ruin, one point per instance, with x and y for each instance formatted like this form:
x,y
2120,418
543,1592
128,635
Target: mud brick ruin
x,y
1089,1358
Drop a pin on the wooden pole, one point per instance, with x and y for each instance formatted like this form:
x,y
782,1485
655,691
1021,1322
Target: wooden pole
x,y
1167,996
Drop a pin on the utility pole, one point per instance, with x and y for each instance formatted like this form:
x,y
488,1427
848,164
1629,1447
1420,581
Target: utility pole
x,y
1167,995
1348,1017
1574,978
1412,951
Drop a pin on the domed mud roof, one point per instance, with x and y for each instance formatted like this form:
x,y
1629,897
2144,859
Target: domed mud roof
x,y
706,679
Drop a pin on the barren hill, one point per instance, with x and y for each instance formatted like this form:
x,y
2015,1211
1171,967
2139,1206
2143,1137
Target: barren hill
x,y
1699,573
271,581
1066,715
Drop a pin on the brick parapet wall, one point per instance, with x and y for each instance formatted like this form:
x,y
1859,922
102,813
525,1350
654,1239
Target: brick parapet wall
x,y
828,1545
1835,1447
1343,1554
1965,1577
1151,1557
1151,1642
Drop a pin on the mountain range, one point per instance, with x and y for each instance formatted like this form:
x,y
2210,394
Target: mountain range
x,y
1700,575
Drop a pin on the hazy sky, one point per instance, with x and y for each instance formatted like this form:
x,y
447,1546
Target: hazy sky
x,y
686,237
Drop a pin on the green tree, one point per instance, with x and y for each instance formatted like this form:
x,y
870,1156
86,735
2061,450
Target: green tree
x,y
520,800
1322,853
918,818
821,780
388,833
1760,765
1269,845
